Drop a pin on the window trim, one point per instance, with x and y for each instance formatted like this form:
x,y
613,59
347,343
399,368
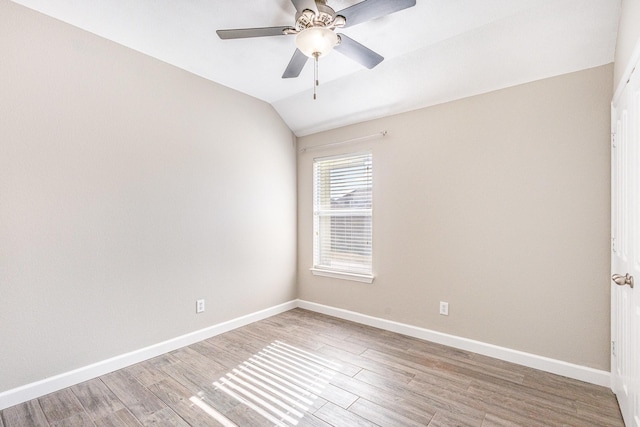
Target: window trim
x,y
326,271
364,278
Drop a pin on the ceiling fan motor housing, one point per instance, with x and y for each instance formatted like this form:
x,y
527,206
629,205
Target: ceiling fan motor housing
x,y
326,17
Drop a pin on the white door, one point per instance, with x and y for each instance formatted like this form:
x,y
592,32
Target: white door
x,y
625,250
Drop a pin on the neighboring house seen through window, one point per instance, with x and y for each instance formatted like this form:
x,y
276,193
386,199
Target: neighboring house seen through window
x,y
342,223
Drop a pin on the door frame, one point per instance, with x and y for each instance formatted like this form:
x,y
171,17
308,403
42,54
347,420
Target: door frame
x,y
628,405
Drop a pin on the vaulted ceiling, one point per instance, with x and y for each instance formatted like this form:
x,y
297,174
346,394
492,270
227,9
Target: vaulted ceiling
x,y
437,51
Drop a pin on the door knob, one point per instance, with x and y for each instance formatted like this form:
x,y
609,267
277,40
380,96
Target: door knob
x,y
622,280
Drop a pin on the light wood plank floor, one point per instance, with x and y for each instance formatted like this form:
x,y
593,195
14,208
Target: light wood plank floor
x,y
306,369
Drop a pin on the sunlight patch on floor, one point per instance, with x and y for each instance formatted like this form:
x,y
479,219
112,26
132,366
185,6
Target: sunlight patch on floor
x,y
280,382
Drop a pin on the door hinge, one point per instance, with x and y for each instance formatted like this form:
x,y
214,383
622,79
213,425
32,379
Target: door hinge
x,y
613,244
613,139
613,348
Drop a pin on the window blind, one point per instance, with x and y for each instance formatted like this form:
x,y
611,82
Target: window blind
x,y
343,213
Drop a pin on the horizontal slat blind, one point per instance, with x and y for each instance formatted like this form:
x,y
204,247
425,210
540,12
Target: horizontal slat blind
x,y
343,213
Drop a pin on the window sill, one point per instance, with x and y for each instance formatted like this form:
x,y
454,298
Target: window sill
x,y
364,278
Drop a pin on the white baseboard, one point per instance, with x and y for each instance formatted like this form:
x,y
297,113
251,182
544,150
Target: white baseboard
x,y
570,370
49,385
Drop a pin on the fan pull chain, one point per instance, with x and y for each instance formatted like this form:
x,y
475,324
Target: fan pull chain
x,y
315,75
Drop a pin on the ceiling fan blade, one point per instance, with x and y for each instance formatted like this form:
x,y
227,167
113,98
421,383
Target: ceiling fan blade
x,y
244,33
359,53
371,9
298,60
301,5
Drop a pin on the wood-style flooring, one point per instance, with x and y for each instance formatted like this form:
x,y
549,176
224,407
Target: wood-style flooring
x,y
306,369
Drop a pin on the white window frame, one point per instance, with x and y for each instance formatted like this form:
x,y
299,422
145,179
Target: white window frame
x,y
356,262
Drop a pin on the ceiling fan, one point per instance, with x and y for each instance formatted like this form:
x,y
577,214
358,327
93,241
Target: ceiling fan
x,y
314,28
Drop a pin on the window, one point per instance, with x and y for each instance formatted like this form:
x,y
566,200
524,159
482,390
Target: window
x,y
342,217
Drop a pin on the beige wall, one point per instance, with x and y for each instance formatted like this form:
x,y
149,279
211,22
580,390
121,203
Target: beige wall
x,y
128,189
497,204
628,36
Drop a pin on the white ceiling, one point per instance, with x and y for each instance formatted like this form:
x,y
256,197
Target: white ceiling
x,y
437,51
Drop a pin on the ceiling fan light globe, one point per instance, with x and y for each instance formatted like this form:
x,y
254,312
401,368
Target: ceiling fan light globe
x,y
316,41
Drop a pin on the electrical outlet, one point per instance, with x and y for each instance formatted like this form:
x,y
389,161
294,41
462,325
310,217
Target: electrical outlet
x,y
199,306
444,308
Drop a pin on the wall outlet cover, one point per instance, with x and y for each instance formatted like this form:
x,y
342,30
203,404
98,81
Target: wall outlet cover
x,y
444,308
199,306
